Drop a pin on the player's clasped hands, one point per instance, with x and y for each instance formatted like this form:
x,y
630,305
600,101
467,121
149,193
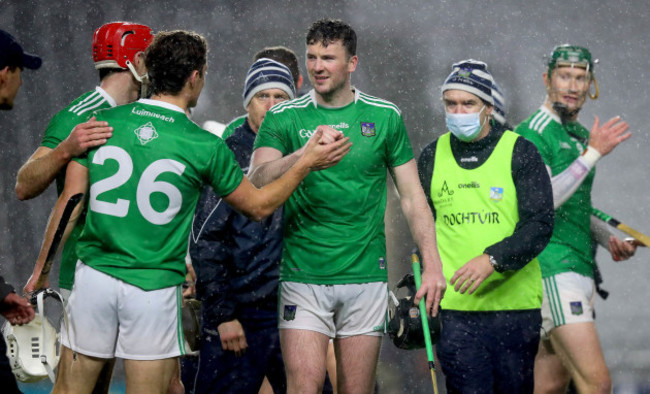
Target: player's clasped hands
x,y
326,148
605,138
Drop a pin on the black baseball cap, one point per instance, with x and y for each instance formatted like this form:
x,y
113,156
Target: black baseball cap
x,y
12,54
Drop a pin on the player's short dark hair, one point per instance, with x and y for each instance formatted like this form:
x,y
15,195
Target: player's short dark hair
x,y
172,57
326,31
105,72
283,55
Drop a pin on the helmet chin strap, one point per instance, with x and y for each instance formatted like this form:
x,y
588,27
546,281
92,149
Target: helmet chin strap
x,y
563,111
143,79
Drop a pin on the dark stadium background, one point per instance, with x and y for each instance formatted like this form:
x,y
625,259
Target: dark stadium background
x,y
405,50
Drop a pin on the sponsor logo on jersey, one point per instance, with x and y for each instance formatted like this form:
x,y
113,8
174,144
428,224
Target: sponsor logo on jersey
x,y
472,185
576,307
468,159
304,133
496,193
289,312
382,263
445,189
341,125
460,218
144,112
146,133
367,129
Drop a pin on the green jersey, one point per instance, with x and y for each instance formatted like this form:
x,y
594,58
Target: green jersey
x,y
59,128
334,221
560,145
144,184
230,127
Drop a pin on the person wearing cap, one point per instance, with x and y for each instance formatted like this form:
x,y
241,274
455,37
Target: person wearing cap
x,y
237,263
13,307
499,109
280,54
334,265
570,348
492,201
13,60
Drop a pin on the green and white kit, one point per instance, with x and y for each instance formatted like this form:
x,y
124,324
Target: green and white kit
x,y
59,128
334,221
570,248
144,186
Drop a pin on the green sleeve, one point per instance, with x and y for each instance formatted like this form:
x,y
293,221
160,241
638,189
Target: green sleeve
x,y
541,144
398,146
224,174
270,135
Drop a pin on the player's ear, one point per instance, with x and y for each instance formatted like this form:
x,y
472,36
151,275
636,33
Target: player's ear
x,y
138,61
3,75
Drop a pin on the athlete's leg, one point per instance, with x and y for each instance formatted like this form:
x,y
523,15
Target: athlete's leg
x,y
578,347
176,384
356,365
305,359
144,377
103,384
77,373
551,376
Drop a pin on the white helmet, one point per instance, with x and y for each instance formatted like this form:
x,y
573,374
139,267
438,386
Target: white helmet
x,y
33,348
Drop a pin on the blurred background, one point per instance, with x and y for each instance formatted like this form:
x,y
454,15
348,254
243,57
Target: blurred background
x,y
405,52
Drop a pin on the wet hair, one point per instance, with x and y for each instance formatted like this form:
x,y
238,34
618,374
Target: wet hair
x,y
283,55
105,72
172,57
326,31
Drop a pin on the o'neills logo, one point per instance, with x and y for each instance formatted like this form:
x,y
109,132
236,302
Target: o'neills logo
x,y
461,218
473,185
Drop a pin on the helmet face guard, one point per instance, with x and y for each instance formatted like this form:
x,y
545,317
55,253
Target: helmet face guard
x,y
191,316
574,57
33,348
405,323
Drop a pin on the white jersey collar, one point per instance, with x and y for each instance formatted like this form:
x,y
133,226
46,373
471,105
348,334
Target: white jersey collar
x,y
312,95
550,113
162,104
106,96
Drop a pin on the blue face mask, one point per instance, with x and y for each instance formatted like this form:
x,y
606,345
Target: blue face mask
x,y
465,126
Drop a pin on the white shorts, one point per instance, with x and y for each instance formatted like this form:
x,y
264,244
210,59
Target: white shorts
x,y
110,318
568,298
337,311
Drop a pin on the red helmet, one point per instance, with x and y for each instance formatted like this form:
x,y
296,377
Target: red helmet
x,y
116,43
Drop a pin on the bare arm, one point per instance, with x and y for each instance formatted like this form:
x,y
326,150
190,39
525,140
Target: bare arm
x,y
76,181
268,164
45,163
420,220
259,203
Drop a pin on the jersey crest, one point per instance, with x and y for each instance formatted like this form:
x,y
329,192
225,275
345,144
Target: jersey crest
x,y
146,133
